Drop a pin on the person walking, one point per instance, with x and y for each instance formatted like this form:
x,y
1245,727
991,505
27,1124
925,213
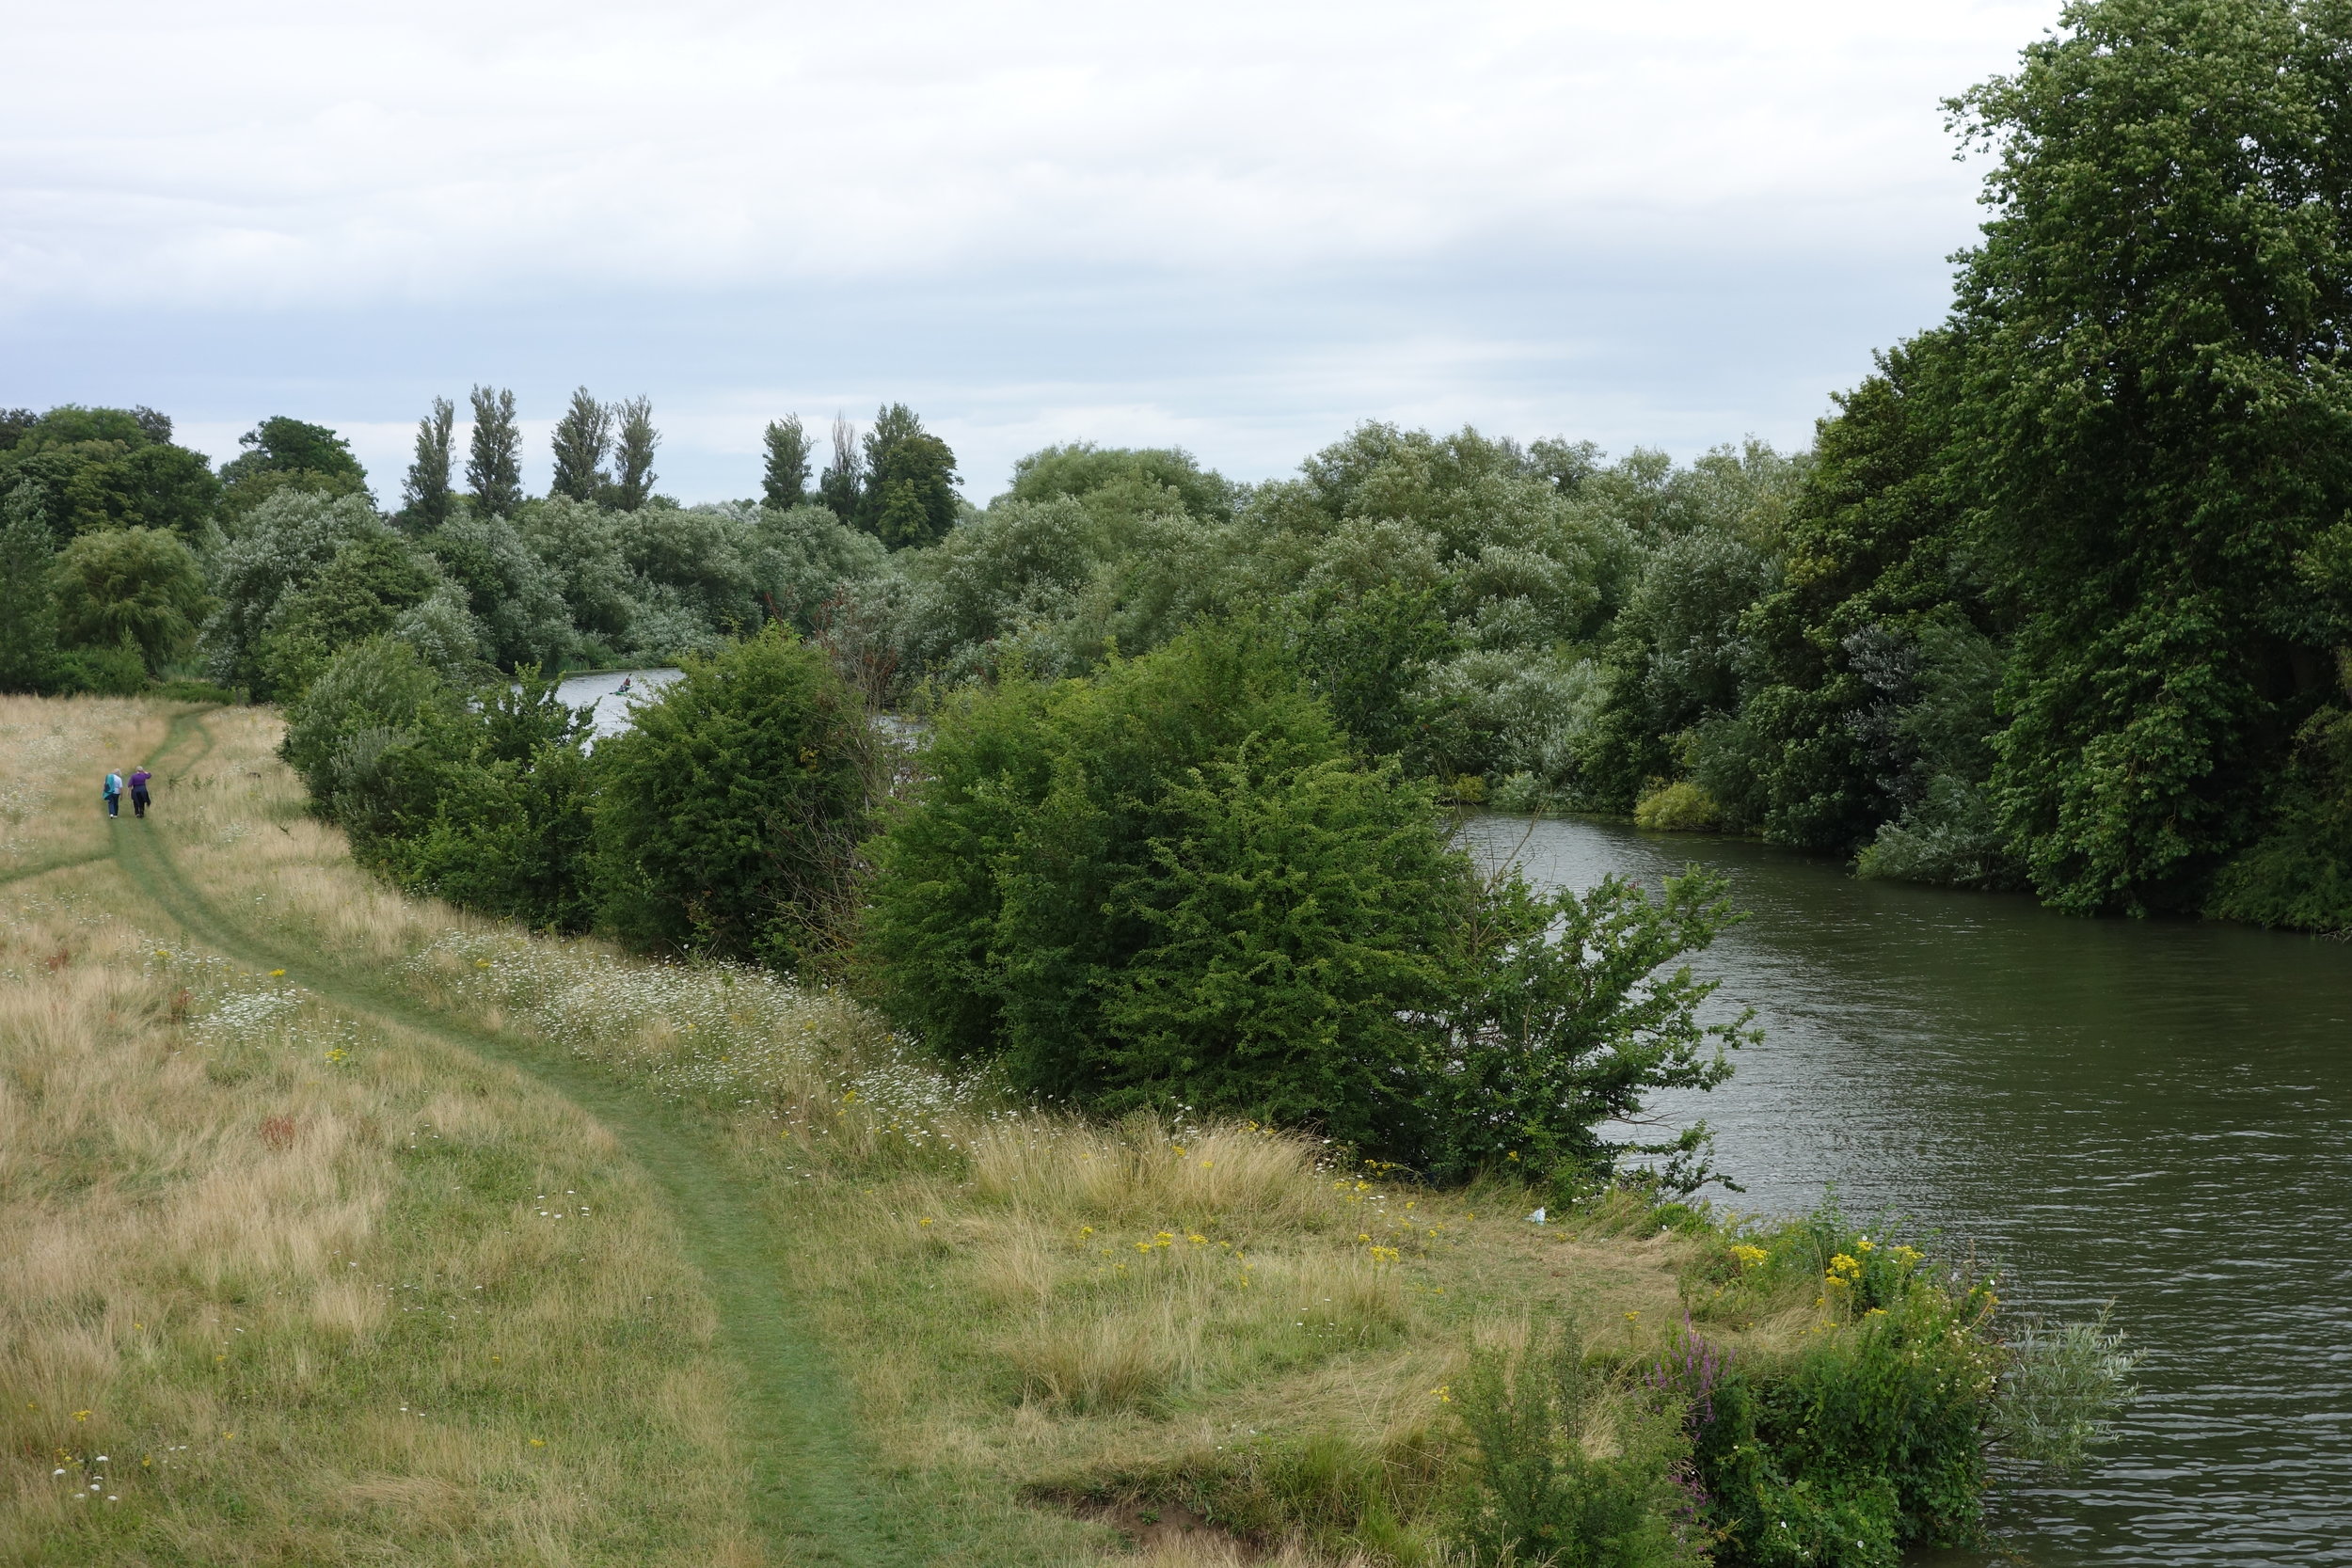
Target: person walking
x,y
138,791
114,794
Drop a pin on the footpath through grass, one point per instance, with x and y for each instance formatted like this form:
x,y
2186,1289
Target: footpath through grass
x,y
491,1247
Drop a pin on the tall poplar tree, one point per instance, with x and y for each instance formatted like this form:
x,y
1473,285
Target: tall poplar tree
x,y
2157,420
785,484
843,484
583,438
425,494
632,455
493,467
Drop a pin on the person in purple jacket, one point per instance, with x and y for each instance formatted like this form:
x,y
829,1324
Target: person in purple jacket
x,y
138,791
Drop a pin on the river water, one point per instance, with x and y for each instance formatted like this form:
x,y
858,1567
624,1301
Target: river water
x,y
603,693
2158,1114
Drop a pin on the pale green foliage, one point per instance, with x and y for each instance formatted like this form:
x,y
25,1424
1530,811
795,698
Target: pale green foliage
x,y
280,545
2063,1388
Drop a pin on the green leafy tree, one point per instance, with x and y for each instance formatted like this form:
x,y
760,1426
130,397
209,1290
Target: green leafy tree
x,y
426,494
633,445
93,469
28,614
134,587
1875,550
842,486
583,437
2159,421
514,598
1174,884
910,484
783,485
361,592
494,466
283,445
282,547
730,809
1129,481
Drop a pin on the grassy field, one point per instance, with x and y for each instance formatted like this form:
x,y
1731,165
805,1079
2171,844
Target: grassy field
x,y
336,1226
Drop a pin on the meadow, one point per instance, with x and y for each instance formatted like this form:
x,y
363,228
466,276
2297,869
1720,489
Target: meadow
x,y
339,1224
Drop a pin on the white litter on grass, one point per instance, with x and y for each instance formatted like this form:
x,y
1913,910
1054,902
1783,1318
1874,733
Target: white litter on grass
x,y
1537,1218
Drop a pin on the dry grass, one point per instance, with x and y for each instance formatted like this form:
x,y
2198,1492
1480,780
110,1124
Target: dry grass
x,y
277,1285
1139,1315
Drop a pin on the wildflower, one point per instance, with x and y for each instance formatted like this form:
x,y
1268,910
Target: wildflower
x,y
1442,1393
1633,1317
277,973
1384,1255
81,1414
1085,1230
926,1220
538,1442
1750,1257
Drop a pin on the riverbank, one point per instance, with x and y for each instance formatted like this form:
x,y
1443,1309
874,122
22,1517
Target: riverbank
x,y
303,1160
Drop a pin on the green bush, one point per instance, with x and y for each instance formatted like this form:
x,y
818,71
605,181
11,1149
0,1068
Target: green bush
x,y
1681,807
511,829
1868,1438
2299,874
117,671
1176,885
1538,1491
729,813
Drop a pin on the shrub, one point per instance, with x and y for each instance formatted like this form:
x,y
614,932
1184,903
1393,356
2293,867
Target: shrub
x,y
1871,1435
1174,884
510,831
1564,1475
2299,874
729,812
1681,807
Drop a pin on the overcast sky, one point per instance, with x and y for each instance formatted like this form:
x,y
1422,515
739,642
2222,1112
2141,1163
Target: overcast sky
x,y
1241,227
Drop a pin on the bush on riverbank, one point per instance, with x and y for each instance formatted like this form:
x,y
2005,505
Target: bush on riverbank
x,y
1174,885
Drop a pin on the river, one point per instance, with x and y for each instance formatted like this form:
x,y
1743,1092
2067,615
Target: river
x,y
2153,1113
602,692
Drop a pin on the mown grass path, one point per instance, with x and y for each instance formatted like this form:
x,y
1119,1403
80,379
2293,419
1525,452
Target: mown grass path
x,y
816,1495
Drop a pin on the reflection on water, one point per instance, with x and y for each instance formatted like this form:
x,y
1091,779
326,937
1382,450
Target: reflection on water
x,y
2155,1113
603,693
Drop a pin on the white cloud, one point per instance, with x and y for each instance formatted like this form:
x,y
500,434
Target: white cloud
x,y
367,162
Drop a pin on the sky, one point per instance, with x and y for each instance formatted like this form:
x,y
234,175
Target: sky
x,y
1239,228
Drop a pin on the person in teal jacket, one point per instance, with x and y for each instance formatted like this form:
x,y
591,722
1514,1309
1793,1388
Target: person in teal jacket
x,y
114,794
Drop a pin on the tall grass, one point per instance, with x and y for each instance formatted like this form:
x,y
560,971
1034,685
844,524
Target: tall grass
x,y
1103,1319
276,1285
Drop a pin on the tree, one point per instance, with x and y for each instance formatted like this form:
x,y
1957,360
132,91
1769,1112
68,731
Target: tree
x,y
1123,481
785,485
730,808
632,456
494,469
842,485
106,468
28,619
2158,417
909,477
584,436
291,446
425,496
1876,553
134,586
1173,884
284,546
